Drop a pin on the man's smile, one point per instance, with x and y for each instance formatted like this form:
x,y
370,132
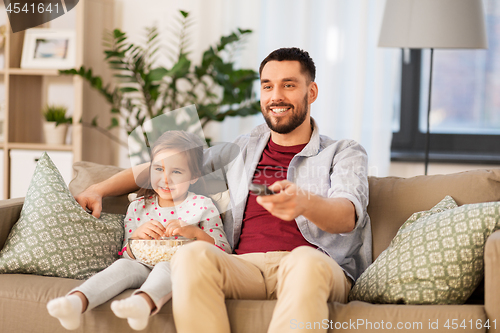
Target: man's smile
x,y
279,110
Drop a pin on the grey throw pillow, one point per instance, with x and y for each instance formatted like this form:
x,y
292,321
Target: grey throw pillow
x,y
54,236
437,257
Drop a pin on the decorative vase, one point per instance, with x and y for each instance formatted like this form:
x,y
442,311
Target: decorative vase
x,y
55,134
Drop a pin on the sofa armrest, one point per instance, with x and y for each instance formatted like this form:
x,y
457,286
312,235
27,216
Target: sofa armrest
x,y
491,280
9,214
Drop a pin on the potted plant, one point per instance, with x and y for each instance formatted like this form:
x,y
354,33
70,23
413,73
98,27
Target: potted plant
x,y
56,123
144,90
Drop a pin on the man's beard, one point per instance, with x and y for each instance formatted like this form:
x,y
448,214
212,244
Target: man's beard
x,y
297,117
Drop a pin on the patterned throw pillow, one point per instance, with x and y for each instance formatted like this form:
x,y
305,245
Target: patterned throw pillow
x,y
54,236
435,258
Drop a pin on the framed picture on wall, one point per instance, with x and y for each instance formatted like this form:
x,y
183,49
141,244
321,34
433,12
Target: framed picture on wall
x,y
49,48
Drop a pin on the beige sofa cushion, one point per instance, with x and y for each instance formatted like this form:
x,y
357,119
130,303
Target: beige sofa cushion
x,y
11,209
54,236
88,173
393,200
363,317
435,258
23,305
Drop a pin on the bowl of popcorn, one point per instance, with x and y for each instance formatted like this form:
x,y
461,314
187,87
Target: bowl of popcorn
x,y
153,251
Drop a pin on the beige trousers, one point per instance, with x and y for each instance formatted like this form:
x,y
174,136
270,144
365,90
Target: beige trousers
x,y
302,281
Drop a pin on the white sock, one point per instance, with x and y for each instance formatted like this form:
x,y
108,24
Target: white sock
x,y
67,309
135,309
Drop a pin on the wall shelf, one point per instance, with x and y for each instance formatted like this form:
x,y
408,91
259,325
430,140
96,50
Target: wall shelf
x,y
27,91
25,71
40,146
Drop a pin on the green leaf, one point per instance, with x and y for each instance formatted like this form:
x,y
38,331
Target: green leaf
x,y
127,47
116,62
154,92
96,82
94,121
128,89
181,68
246,31
225,40
88,75
117,33
208,58
151,38
136,51
184,14
120,40
157,74
124,76
211,94
111,53
154,51
68,72
114,123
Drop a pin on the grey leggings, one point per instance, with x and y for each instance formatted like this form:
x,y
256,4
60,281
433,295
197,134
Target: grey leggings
x,y
125,274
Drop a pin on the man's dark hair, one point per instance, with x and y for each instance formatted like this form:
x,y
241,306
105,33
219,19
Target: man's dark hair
x,y
292,54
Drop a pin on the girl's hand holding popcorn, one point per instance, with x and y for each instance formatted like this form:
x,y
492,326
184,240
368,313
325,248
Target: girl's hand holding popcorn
x,y
181,228
150,230
173,225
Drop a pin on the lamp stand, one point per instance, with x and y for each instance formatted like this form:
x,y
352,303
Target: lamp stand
x,y
427,135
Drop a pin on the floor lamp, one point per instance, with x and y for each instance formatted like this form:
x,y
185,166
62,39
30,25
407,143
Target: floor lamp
x,y
431,24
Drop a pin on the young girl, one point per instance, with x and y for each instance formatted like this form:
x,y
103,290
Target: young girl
x,y
167,208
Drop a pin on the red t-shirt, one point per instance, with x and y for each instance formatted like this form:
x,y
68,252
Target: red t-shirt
x,y
261,231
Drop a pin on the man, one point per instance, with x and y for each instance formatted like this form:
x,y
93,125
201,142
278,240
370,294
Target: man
x,y
303,246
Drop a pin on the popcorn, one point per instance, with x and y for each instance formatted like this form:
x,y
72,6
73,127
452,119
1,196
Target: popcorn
x,y
151,252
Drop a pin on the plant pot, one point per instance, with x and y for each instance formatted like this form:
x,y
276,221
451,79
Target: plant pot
x,y
55,134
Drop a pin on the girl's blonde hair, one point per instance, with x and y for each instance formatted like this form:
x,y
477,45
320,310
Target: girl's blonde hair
x,y
186,143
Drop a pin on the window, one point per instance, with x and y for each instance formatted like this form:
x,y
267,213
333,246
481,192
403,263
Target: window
x,y
465,107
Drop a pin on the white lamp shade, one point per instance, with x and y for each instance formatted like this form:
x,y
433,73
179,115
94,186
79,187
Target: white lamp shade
x,y
434,24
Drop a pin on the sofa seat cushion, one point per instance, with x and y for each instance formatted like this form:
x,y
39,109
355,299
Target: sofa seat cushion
x,y
24,298
437,257
364,317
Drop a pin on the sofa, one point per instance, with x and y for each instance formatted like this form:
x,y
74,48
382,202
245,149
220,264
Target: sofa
x,y
23,297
